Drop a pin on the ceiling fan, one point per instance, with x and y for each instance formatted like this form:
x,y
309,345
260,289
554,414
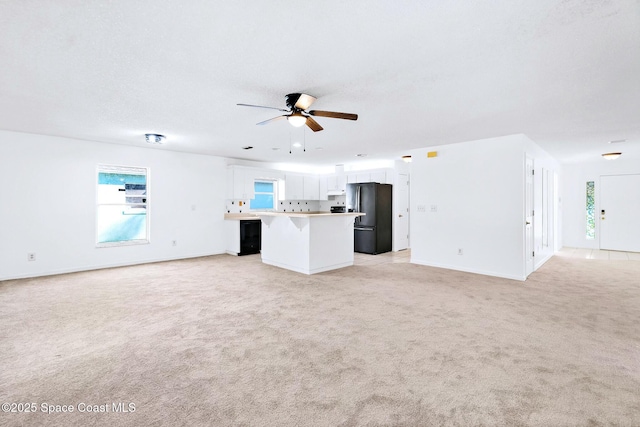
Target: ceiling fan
x,y
299,114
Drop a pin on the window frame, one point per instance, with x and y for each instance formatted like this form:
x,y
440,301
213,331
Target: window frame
x,y
273,193
125,170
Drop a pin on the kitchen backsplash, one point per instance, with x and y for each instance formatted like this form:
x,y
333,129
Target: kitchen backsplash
x,y
242,206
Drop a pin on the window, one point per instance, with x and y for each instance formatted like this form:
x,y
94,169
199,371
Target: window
x,y
591,211
264,195
122,206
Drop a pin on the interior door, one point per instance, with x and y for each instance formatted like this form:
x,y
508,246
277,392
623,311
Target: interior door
x,y
528,197
620,213
402,212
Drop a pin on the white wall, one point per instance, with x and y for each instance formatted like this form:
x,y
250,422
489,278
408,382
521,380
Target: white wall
x,y
47,204
574,196
473,195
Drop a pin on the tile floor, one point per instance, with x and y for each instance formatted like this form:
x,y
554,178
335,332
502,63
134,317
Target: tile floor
x,y
387,257
598,254
405,256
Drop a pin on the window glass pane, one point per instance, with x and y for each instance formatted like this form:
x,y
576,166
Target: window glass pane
x,y
261,201
117,223
591,217
120,178
263,187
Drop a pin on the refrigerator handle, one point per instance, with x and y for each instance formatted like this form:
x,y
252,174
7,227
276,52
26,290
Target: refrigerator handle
x,y
358,203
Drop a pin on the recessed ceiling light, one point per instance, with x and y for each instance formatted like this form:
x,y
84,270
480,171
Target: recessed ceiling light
x,y
248,147
361,155
611,156
297,144
319,148
154,138
275,148
617,141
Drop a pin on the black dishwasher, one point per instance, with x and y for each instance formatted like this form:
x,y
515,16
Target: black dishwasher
x,y
250,236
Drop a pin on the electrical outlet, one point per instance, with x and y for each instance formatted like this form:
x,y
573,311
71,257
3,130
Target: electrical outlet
x,y
460,251
174,243
422,208
434,208
31,256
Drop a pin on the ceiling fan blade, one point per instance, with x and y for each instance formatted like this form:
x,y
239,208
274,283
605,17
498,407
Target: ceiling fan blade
x,y
271,120
313,125
334,114
301,101
262,106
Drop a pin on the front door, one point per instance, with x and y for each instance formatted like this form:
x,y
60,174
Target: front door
x,y
620,213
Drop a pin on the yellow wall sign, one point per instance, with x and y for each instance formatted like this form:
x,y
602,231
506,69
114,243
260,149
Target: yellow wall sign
x,y
432,154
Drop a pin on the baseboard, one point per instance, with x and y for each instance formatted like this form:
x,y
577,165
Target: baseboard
x,y
103,266
468,270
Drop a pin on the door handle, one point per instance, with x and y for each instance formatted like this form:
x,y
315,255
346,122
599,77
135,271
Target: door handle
x,y
528,223
400,215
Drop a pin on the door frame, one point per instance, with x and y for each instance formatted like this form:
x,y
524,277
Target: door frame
x,y
528,223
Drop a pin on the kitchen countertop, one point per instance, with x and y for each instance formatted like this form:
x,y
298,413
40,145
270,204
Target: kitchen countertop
x,y
308,214
256,215
241,216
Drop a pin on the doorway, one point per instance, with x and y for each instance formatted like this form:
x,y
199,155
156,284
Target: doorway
x,y
402,212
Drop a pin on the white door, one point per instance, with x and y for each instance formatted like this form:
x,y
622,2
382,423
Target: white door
x,y
402,212
620,213
528,216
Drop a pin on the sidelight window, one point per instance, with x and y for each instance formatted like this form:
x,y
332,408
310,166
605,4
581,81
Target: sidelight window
x,y
591,211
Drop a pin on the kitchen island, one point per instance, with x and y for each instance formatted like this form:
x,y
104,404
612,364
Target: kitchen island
x,y
307,242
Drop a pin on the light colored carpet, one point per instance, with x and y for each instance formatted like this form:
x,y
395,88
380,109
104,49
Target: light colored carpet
x,y
227,341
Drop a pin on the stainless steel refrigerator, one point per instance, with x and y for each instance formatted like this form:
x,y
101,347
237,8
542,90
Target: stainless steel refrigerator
x,y
372,232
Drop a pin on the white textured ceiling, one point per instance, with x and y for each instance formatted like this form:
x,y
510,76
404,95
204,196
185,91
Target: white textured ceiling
x,y
419,73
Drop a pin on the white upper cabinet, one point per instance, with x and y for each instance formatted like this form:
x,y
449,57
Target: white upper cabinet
x,y
379,177
293,187
311,189
323,188
239,183
363,177
336,182
336,185
300,187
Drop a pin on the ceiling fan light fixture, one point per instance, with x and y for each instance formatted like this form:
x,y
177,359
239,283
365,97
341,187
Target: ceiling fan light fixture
x,y
297,120
154,138
611,156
